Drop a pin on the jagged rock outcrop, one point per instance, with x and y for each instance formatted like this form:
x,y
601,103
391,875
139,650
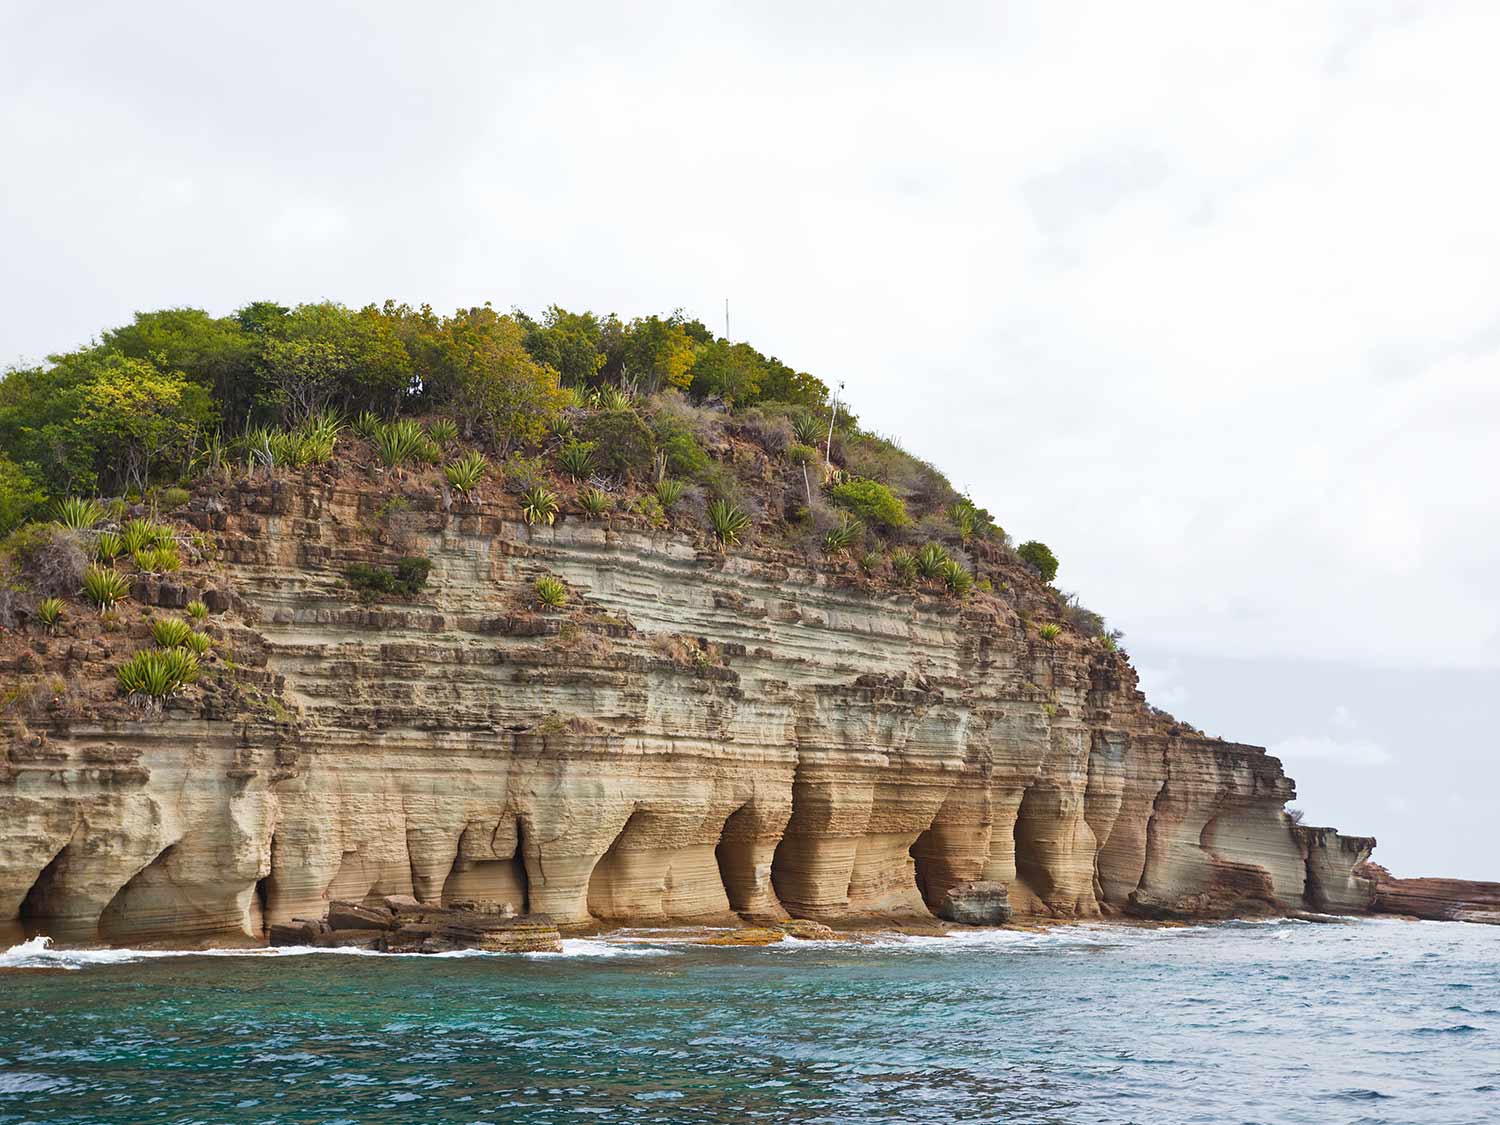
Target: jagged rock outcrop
x,y
703,737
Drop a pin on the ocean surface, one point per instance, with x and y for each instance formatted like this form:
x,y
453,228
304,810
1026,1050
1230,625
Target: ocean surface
x,y
1373,1021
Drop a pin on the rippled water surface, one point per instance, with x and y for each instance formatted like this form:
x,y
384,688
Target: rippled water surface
x,y
1286,1022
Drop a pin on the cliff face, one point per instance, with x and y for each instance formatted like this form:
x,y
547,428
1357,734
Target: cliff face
x,y
698,736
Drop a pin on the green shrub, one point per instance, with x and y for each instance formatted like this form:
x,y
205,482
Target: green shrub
x,y
197,610
77,513
153,675
904,567
728,522
174,497
1050,631
576,458
170,632
1040,558
551,592
803,454
409,576
105,587
444,431
871,501
108,546
839,538
957,579
931,560
594,501
465,473
197,643
539,505
684,456
623,445
869,562
650,507
669,492
49,612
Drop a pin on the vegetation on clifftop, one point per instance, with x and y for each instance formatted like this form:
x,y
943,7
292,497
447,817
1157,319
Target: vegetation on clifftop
x,y
566,415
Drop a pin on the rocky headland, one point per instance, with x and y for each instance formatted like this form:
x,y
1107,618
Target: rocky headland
x,y
698,736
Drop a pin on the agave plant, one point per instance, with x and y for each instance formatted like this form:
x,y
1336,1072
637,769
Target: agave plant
x,y
136,536
78,513
158,560
539,505
465,473
105,587
153,675
728,522
576,458
839,538
49,612
808,429
958,579
108,547
965,519
551,592
1050,631
401,442
316,438
170,632
366,424
196,610
905,567
869,562
610,397
930,560
197,643
444,431
669,492
594,501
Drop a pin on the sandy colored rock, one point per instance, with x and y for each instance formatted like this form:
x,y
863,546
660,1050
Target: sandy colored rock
x,y
747,935
700,739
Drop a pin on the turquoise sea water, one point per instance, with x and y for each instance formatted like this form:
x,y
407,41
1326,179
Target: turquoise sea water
x,y
1377,1021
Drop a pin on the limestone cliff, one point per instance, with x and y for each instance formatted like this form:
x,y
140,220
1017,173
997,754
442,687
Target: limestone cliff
x,y
699,735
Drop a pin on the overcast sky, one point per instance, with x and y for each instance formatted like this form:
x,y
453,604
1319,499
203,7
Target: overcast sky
x,y
1203,295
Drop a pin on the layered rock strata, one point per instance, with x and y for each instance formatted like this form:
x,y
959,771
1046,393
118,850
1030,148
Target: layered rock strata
x,y
1441,900
702,738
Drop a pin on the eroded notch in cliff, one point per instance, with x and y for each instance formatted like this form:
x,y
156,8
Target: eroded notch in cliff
x,y
735,854
146,907
501,880
42,899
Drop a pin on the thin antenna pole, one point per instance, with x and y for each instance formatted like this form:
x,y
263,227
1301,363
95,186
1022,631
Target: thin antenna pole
x,y
828,449
726,318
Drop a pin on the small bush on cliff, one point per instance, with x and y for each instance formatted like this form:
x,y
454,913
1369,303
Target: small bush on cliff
x,y
840,538
78,514
956,578
170,632
931,560
576,458
1040,558
622,442
728,521
105,587
153,675
669,492
197,610
551,593
594,502
905,567
408,578
1050,631
465,473
539,505
871,501
107,546
49,612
